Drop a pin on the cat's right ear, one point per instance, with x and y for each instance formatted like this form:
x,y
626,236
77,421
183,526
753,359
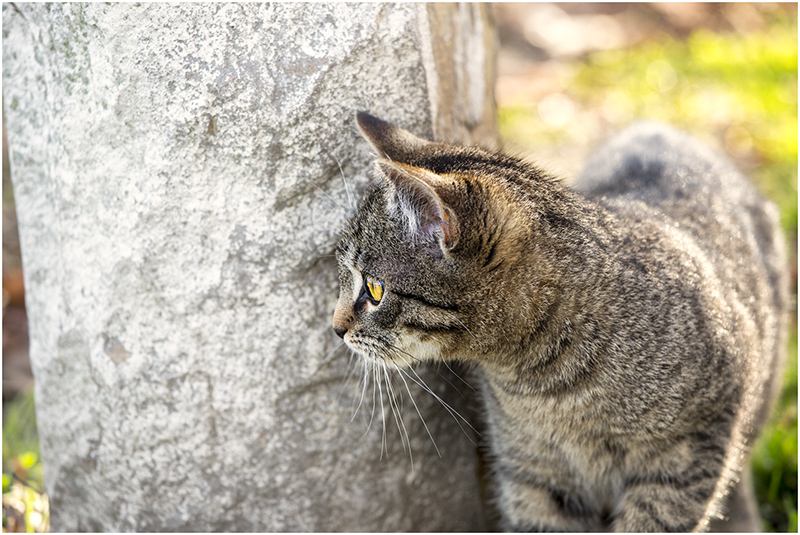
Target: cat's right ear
x,y
391,142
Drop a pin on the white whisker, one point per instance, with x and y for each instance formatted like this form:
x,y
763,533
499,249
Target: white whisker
x,y
372,413
390,395
347,190
418,412
455,415
430,366
461,322
351,368
398,416
379,367
331,198
363,391
327,358
383,415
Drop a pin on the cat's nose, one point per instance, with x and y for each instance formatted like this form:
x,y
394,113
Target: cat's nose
x,y
341,319
340,331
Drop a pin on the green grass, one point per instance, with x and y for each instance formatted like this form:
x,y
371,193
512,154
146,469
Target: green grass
x,y
25,506
742,87
775,456
740,92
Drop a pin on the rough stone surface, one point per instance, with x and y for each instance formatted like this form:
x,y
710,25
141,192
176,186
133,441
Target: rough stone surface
x,y
181,173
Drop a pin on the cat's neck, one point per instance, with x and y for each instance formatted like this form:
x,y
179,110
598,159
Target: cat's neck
x,y
574,260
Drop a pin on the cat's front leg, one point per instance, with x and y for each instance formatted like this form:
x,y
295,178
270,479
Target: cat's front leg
x,y
530,504
655,507
664,499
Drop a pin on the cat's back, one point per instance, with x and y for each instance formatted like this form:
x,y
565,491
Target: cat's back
x,y
662,183
655,172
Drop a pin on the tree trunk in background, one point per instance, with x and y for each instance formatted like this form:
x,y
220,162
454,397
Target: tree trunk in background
x,y
179,198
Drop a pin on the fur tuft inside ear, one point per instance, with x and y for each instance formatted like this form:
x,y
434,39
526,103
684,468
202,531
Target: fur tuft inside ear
x,y
413,195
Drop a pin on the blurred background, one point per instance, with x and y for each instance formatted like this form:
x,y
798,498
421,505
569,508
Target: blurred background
x,y
569,76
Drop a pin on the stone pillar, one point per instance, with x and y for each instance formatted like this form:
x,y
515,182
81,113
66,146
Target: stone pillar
x,y
181,173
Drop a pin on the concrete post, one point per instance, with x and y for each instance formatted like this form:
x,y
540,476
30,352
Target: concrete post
x,y
181,172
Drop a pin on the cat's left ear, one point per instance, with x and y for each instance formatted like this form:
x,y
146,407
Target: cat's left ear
x,y
391,142
413,193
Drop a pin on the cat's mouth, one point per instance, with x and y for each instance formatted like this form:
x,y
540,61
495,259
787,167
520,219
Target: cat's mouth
x,y
394,354
402,351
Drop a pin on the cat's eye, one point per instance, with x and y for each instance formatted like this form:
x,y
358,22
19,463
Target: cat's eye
x,y
374,288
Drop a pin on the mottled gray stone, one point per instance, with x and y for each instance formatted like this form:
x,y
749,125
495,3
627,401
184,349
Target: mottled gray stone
x,y
178,184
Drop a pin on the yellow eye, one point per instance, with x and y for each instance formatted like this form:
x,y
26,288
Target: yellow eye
x,y
374,288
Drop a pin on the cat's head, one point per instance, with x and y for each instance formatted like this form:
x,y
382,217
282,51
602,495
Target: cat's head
x,y
432,263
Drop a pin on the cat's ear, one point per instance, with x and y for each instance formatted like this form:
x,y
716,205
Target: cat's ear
x,y
412,194
391,142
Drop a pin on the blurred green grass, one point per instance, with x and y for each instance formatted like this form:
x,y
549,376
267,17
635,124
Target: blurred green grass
x,y
25,505
775,455
737,92
739,89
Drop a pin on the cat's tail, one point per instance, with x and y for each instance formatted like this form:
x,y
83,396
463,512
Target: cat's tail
x,y
654,161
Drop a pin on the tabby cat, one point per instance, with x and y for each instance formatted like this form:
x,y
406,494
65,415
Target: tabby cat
x,y
627,330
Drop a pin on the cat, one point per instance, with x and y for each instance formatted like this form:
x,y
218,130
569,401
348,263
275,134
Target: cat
x,y
628,330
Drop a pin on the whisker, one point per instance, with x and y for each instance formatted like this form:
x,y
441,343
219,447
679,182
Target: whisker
x,y
351,368
453,413
461,322
372,413
398,417
446,363
418,412
364,379
342,208
327,358
421,383
349,197
392,404
452,371
430,366
383,414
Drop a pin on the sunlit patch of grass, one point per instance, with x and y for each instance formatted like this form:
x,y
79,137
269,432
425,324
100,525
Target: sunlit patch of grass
x,y
25,505
739,89
775,456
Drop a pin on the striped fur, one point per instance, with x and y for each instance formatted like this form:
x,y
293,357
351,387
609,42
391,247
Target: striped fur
x,y
628,330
